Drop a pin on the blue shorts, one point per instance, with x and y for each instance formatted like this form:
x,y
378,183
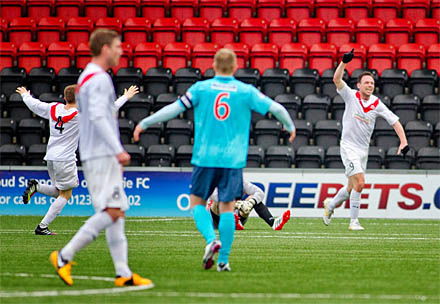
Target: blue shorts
x,y
228,181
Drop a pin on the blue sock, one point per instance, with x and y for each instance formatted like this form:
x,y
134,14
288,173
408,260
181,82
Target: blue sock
x,y
226,229
204,223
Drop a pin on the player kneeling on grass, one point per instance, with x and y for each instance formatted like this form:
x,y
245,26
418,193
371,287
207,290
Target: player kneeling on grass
x,y
254,200
60,155
361,110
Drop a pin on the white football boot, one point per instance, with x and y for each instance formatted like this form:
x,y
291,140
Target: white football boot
x,y
327,212
355,226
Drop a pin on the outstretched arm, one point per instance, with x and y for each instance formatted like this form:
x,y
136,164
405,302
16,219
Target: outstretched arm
x,y
38,107
128,94
401,133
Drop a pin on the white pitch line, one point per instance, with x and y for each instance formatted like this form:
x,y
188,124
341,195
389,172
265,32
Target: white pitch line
x,y
172,294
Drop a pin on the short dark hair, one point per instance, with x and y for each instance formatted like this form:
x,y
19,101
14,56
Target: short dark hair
x,y
99,38
365,73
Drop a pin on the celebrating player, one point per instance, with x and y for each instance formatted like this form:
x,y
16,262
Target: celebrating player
x,y
102,156
361,110
61,147
222,112
254,200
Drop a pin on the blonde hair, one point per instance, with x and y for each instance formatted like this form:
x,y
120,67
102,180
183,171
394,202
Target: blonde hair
x,y
69,93
99,38
225,61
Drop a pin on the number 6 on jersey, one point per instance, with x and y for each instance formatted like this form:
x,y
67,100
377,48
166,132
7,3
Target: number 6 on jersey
x,y
221,107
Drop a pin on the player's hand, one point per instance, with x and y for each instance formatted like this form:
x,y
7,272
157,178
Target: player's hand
x,y
132,90
292,136
123,158
137,131
404,149
22,90
348,56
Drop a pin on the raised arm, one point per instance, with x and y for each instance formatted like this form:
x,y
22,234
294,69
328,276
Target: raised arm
x,y
339,73
35,105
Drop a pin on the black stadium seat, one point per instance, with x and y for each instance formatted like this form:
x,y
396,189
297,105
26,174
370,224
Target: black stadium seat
x,y
248,75
51,97
157,81
315,107
163,100
35,155
422,82
430,109
418,133
327,85
393,81
41,80
137,154
159,156
255,157
178,132
406,107
428,158
436,135
126,128
274,82
279,157
338,107
333,158
152,136
184,155
11,154
126,77
304,130
327,133
376,157
384,135
267,133
17,109
185,78
309,157
291,102
397,161
11,78
138,107
30,131
304,82
7,130
67,76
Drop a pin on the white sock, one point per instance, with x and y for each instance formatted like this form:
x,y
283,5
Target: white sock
x,y
117,243
86,234
47,190
53,211
339,198
355,203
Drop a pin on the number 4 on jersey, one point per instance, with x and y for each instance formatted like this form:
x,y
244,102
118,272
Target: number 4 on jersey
x,y
221,107
59,124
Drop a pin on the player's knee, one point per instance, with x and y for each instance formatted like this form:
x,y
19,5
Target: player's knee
x,y
359,185
67,194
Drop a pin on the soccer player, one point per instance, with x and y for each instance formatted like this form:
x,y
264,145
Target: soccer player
x,y
61,147
254,200
361,110
103,157
222,112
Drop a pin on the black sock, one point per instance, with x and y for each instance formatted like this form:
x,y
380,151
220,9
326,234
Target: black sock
x,y
264,213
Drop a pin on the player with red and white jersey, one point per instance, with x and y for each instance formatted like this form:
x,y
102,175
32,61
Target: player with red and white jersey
x,y
361,110
61,149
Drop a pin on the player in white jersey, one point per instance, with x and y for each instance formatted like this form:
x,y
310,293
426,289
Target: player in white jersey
x,y
61,148
253,201
103,157
361,110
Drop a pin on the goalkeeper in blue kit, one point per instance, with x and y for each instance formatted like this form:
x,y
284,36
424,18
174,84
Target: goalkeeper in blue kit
x,y
222,115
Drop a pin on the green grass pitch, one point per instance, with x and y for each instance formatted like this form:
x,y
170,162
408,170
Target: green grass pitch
x,y
392,261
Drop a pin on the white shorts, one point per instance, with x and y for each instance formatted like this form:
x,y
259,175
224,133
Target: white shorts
x,y
105,183
64,174
354,159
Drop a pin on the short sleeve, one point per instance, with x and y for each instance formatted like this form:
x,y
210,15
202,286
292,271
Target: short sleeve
x,y
385,113
346,93
259,102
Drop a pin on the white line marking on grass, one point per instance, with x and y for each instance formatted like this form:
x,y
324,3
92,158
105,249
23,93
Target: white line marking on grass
x,y
173,294
70,292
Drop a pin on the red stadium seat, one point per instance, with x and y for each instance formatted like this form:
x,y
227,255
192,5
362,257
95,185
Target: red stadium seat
x,y
386,9
68,8
224,30
165,30
203,55
78,30
414,10
136,30
299,9
357,9
340,31
410,57
328,9
381,56
60,55
124,9
3,28
8,53
212,9
369,31
241,50
109,23
252,31
82,55
270,9
126,57
435,9
176,55
39,8
427,32
154,9
263,56
10,9
195,30
281,31
433,58
147,55
31,55
310,31
241,9
398,32
95,9
21,30
182,9
50,29
322,56
359,58
293,56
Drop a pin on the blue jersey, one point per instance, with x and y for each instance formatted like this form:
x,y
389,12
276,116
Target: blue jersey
x,y
222,115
